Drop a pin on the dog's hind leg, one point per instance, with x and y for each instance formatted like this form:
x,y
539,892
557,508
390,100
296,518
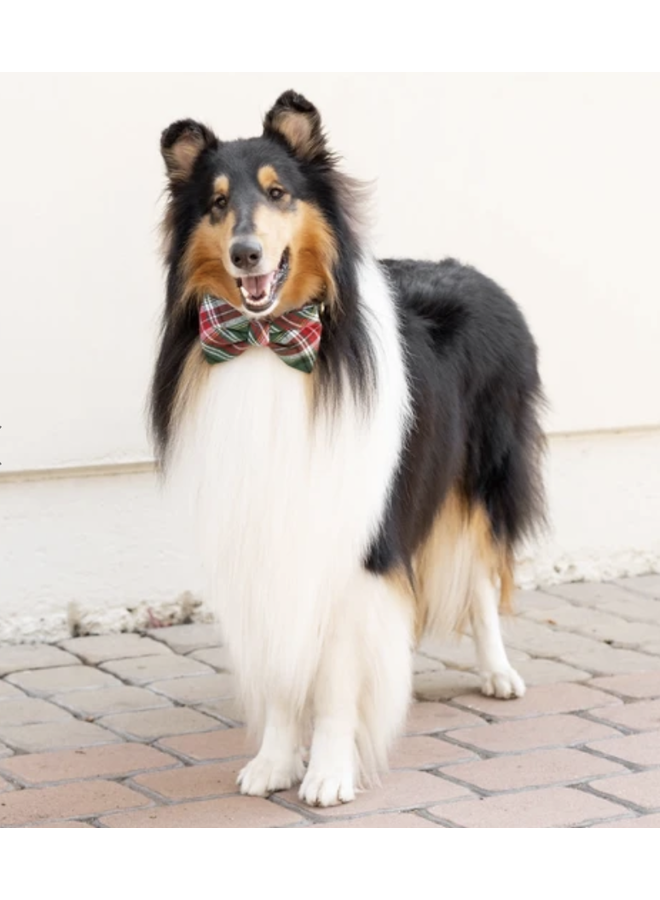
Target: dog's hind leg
x,y
498,677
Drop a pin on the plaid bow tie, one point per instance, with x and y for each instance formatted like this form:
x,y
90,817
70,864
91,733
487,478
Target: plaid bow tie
x,y
225,333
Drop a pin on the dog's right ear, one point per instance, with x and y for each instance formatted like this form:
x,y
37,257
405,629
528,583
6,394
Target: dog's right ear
x,y
181,144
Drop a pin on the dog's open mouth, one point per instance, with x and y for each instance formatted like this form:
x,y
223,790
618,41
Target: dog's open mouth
x,y
260,292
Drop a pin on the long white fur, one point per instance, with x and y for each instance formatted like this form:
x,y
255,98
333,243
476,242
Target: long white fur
x,y
287,504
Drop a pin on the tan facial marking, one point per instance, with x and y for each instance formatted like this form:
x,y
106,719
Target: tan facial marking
x,y
275,229
313,255
221,185
204,264
267,177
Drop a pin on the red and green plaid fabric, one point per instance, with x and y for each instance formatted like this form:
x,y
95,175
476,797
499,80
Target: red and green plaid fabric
x,y
225,333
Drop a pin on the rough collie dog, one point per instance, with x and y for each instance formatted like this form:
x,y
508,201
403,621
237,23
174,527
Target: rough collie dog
x,y
359,438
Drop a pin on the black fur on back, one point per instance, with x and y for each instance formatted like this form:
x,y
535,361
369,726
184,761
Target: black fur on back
x,y
472,367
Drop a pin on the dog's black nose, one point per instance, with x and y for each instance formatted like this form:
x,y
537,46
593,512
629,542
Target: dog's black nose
x,y
246,253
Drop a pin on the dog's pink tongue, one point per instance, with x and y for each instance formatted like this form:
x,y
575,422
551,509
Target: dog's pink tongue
x,y
258,286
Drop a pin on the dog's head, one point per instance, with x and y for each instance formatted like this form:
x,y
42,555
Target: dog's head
x,y
250,221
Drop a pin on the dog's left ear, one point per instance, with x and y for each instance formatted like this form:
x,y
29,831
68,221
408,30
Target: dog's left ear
x,y
294,119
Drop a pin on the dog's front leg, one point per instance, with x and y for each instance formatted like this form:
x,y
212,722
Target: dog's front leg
x,y
279,763
331,773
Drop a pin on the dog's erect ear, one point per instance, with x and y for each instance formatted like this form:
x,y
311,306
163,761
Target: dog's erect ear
x,y
298,122
181,144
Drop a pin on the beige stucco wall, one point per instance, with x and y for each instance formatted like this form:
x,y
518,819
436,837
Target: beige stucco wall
x,y
549,184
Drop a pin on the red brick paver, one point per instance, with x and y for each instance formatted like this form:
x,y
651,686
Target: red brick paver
x,y
110,761
146,669
186,638
399,791
537,769
93,704
157,723
113,646
638,822
384,820
28,711
7,692
540,700
421,752
640,788
531,734
428,718
641,749
641,716
228,812
548,808
45,682
84,798
193,782
144,731
56,735
211,745
197,688
32,656
644,685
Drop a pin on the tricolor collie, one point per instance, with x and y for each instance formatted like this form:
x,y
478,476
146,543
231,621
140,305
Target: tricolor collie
x,y
359,438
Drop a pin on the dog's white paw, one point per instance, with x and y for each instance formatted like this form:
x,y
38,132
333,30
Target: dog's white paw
x,y
327,788
262,775
504,684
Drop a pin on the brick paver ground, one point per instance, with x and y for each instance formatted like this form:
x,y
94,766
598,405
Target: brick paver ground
x,y
143,731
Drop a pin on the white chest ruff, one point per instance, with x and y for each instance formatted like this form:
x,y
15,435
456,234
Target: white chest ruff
x,y
287,502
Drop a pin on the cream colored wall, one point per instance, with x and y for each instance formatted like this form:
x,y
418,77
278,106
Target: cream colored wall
x,y
549,184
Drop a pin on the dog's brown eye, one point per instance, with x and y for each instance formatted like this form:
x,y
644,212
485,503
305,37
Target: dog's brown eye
x,y
275,193
220,202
